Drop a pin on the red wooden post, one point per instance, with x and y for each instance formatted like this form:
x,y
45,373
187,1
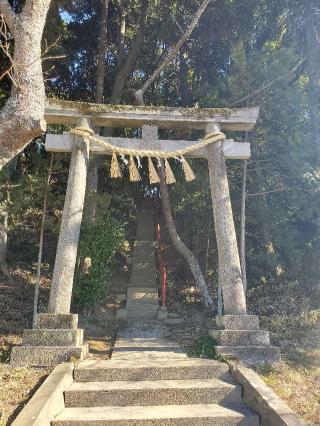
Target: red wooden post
x,y
163,271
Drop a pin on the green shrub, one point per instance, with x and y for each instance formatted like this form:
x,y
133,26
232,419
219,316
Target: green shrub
x,y
99,241
204,347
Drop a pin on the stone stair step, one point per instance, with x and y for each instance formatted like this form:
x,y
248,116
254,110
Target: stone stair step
x,y
173,415
35,356
140,306
148,295
103,370
144,343
243,338
141,314
252,355
161,392
51,337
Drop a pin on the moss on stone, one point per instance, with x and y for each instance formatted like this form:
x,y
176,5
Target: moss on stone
x,y
92,108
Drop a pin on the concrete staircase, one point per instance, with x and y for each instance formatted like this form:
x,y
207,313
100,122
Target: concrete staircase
x,y
151,381
143,295
167,392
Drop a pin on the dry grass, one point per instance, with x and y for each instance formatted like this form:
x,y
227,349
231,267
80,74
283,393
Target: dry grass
x,y
297,378
17,385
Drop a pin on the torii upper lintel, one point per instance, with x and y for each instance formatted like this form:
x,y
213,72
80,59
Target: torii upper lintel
x,y
104,115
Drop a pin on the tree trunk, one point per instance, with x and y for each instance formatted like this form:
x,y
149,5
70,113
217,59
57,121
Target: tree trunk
x,y
170,56
125,70
313,63
101,62
243,227
180,246
43,220
21,119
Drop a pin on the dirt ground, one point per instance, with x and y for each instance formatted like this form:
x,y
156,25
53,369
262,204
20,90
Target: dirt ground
x,y
17,385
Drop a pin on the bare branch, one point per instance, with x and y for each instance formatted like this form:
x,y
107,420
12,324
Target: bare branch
x,y
131,58
172,53
5,47
8,13
275,80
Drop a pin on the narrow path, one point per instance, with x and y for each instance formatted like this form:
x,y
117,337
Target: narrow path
x,y
149,379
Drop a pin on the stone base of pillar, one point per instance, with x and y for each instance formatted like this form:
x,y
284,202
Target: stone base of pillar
x,y
55,339
240,336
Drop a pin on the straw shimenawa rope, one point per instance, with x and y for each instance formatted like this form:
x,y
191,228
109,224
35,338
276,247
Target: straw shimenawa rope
x,y
87,133
115,171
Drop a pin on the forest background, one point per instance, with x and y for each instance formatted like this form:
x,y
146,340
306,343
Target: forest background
x,y
241,53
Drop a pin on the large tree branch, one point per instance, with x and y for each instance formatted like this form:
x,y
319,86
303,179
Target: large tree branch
x,y
131,58
172,53
8,14
275,80
179,245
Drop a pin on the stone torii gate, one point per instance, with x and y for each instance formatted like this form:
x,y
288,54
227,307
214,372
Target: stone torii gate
x,y
56,336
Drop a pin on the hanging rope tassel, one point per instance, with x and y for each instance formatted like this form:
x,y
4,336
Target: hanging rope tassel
x,y
134,172
115,171
168,172
187,170
153,175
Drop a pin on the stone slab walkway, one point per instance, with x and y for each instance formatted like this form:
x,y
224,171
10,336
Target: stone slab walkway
x,y
146,340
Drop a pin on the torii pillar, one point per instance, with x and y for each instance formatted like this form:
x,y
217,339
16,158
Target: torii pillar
x,y
239,334
56,337
229,260
64,267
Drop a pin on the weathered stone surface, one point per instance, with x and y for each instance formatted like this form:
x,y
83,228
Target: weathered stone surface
x,y
69,112
102,370
37,356
263,400
162,314
143,295
51,337
229,261
251,355
143,265
56,321
146,340
162,392
238,322
241,337
62,280
48,401
175,415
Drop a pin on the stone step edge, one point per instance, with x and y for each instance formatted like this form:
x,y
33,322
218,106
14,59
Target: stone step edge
x,y
49,355
152,413
132,385
53,337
